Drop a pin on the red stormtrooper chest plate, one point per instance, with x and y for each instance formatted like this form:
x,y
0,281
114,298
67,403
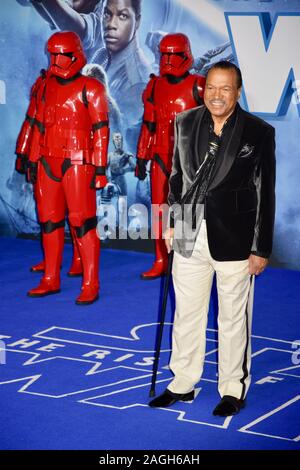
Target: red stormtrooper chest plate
x,y
67,123
169,100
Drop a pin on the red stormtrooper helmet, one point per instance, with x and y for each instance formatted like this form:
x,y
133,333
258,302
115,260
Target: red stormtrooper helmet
x,y
66,54
176,56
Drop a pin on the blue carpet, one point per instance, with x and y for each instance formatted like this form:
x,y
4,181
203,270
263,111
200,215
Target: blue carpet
x,y
78,377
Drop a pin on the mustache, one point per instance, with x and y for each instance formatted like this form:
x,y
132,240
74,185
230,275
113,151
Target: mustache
x,y
217,101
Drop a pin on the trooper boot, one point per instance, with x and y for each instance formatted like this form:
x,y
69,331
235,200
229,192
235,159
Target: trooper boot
x,y
159,267
76,265
53,243
89,248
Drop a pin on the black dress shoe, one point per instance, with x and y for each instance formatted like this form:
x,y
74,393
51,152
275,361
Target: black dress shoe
x,y
169,398
229,406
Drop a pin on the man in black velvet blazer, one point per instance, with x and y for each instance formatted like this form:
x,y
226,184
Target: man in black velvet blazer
x,y
232,236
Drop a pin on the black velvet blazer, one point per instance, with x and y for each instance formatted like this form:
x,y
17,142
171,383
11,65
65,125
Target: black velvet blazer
x,y
240,201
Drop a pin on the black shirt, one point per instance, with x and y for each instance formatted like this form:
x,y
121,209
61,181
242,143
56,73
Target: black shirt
x,y
206,128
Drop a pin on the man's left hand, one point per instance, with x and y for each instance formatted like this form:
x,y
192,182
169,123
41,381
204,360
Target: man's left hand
x,y
257,264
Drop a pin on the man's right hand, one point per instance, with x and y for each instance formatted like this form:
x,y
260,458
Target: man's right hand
x,y
169,236
140,169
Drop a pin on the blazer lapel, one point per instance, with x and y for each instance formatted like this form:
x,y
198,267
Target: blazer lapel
x,y
231,150
194,140
188,141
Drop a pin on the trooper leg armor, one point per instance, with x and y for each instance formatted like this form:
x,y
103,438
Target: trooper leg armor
x,y
159,193
55,193
51,205
76,264
81,203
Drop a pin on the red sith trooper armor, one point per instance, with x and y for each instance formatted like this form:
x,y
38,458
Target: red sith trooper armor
x,y
67,160
174,91
22,151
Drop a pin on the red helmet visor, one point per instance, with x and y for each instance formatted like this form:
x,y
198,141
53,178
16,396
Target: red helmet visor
x,y
175,64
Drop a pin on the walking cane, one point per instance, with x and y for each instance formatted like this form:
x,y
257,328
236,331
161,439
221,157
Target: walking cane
x,y
162,321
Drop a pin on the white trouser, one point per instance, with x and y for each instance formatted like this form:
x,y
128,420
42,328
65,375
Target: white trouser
x,y
192,278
